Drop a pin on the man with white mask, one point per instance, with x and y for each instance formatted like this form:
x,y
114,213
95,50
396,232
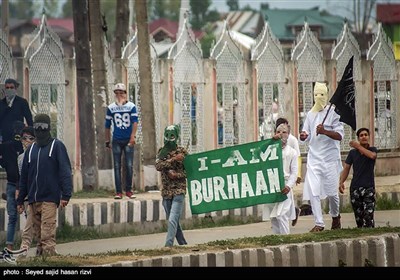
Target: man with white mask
x,y
281,212
323,159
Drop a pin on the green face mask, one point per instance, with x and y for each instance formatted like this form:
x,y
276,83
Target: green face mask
x,y
171,137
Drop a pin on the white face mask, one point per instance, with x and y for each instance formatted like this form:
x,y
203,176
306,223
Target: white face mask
x,y
10,94
320,97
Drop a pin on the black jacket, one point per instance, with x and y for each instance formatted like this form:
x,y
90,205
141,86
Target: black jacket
x,y
8,115
9,161
46,174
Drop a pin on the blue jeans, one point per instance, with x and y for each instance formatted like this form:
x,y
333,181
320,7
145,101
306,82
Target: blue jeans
x,y
12,213
173,208
119,147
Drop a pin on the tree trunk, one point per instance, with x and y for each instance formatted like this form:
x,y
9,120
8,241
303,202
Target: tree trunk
x,y
146,94
85,95
99,82
121,35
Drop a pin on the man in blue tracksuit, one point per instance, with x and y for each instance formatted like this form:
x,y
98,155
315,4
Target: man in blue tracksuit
x,y
46,178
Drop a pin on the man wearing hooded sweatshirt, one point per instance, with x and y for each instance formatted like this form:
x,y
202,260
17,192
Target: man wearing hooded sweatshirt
x,y
323,158
46,178
169,162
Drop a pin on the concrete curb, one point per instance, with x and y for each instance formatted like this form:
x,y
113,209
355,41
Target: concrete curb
x,y
381,251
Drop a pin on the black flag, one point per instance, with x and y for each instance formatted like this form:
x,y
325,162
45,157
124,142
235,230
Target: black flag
x,y
344,97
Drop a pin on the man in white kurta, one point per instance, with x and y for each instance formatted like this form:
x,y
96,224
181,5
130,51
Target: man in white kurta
x,y
280,213
323,159
294,143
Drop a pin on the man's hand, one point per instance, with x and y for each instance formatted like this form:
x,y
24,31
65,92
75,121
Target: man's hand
x,y
277,136
63,203
303,135
20,209
341,188
285,190
172,174
320,129
354,144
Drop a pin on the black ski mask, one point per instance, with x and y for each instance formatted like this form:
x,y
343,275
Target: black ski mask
x,y
41,125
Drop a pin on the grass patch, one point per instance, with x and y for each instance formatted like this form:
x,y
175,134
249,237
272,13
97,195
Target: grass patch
x,y
384,203
99,193
219,245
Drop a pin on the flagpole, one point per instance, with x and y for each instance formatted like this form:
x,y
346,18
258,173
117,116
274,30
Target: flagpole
x,y
330,105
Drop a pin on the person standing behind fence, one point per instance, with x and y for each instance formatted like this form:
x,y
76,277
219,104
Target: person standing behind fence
x,y
46,178
123,117
323,160
169,162
281,212
362,187
13,108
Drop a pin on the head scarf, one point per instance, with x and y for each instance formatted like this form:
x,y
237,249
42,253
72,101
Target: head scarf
x,y
42,132
283,127
171,137
320,97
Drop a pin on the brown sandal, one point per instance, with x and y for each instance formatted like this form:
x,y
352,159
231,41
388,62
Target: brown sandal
x,y
317,229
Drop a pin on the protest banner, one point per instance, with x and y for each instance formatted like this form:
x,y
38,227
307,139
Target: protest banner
x,y
235,177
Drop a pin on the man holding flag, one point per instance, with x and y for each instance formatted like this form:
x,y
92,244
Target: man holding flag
x,y
323,131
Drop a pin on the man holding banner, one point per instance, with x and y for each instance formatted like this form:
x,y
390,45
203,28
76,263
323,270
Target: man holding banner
x,y
280,213
169,162
323,132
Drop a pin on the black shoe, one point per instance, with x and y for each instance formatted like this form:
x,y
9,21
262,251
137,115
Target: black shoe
x,y
298,211
4,196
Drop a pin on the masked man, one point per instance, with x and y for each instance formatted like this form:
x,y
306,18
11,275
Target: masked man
x,y
13,108
46,178
281,212
323,158
173,176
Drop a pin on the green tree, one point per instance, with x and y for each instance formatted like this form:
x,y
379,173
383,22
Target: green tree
x,y
199,10
233,5
207,40
66,11
21,9
166,9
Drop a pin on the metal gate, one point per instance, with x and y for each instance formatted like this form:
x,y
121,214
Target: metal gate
x,y
45,58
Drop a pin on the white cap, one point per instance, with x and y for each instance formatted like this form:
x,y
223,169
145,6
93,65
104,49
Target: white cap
x,y
120,86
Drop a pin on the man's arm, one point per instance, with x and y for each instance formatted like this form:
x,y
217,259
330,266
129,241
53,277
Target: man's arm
x,y
362,150
132,139
330,133
27,113
343,177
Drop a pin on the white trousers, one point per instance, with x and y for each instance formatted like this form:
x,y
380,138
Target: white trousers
x,y
317,209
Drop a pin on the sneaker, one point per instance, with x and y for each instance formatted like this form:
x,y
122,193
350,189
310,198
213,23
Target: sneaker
x,y
336,223
294,222
130,195
118,196
317,229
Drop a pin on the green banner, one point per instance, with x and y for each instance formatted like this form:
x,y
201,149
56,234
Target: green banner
x,y
235,177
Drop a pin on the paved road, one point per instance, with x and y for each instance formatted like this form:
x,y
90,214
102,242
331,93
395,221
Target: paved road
x,y
200,236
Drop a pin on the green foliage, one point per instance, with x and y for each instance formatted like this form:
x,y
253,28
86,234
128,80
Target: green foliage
x,y
165,9
384,203
21,9
233,5
67,9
